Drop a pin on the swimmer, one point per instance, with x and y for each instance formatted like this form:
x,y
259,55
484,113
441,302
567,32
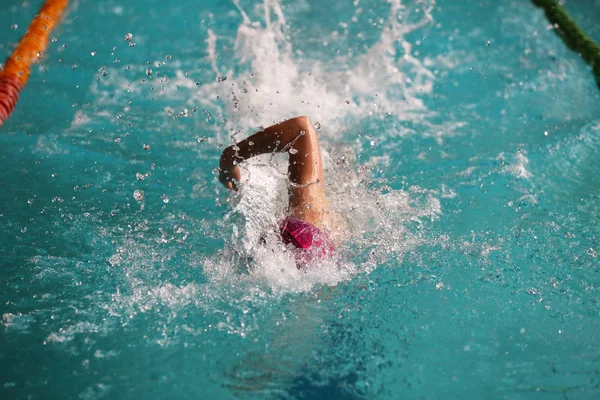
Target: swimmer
x,y
309,223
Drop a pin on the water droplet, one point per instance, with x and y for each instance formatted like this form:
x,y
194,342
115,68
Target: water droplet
x,y
93,53
115,260
545,133
128,37
221,78
138,195
318,125
139,177
146,147
201,139
165,198
14,26
293,151
149,71
488,43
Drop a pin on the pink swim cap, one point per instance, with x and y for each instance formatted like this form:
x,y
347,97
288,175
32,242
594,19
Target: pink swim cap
x,y
307,238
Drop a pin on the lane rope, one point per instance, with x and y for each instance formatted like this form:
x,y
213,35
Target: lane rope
x,y
572,35
15,73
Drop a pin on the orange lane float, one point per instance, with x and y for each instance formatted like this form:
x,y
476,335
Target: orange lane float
x,y
31,47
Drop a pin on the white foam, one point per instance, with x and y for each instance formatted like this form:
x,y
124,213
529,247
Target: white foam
x,y
375,222
18,322
518,168
67,333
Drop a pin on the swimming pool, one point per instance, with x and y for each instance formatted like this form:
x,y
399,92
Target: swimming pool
x,y
461,143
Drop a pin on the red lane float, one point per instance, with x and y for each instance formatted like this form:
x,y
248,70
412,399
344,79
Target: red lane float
x,y
31,47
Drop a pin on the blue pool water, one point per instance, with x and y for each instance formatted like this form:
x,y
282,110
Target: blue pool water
x,y
461,143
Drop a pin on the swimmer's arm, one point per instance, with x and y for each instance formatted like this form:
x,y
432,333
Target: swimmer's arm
x,y
296,133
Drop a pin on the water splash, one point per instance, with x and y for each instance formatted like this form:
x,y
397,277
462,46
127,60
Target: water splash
x,y
388,80
267,80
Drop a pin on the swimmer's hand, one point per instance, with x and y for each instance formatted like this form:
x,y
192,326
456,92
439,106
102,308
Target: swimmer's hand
x,y
229,172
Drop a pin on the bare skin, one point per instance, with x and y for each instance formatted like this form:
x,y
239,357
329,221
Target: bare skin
x,y
298,138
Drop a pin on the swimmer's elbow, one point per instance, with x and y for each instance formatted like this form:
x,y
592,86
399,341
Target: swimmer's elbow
x,y
302,121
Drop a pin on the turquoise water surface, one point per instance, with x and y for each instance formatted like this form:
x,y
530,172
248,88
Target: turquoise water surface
x,y
461,143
